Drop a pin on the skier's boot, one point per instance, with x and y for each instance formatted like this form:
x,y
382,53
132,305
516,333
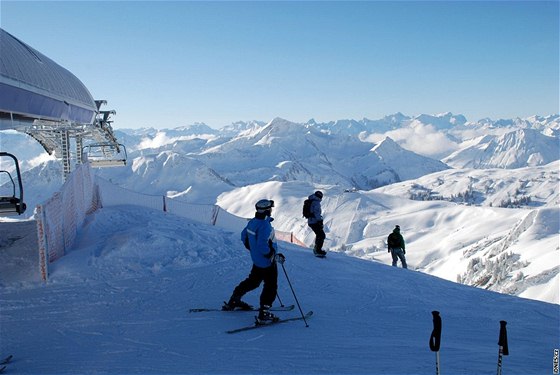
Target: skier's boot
x,y
319,252
265,316
236,303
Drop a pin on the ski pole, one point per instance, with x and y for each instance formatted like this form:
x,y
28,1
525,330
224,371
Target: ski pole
x,y
294,293
279,300
435,338
503,345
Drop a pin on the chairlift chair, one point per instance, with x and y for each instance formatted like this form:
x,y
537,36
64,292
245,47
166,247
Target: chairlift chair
x,y
12,204
105,154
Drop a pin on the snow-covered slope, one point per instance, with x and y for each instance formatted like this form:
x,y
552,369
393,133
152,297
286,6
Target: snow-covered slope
x,y
515,149
444,239
522,187
118,303
401,163
171,174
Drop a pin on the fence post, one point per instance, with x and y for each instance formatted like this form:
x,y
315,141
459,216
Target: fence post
x,y
43,244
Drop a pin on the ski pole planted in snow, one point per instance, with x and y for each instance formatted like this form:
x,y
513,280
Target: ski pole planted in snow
x,y
279,300
503,345
435,338
294,293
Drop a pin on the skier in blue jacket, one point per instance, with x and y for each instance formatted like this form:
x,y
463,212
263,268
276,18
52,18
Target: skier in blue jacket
x,y
258,237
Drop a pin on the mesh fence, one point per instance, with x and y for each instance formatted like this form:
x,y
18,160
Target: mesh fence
x,y
61,216
112,195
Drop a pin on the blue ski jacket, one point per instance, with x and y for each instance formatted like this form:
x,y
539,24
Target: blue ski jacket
x,y
258,236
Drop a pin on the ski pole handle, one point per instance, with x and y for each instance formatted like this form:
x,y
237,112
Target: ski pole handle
x,y
503,345
503,341
435,338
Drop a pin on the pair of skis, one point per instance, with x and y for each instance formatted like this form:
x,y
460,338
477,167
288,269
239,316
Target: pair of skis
x,y
274,308
258,324
271,323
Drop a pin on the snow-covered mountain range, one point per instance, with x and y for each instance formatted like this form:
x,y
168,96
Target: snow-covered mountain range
x,y
469,196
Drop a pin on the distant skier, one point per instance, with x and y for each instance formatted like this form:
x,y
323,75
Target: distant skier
x,y
395,243
258,237
315,222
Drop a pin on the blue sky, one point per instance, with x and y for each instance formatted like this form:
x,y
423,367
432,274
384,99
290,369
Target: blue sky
x,y
167,64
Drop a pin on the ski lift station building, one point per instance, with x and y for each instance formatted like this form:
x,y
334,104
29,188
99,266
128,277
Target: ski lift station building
x,y
46,101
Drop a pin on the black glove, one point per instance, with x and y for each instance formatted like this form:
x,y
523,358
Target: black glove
x,y
280,258
403,251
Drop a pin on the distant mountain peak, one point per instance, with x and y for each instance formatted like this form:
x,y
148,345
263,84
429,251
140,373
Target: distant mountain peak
x,y
387,145
442,121
518,148
199,127
282,126
311,122
396,117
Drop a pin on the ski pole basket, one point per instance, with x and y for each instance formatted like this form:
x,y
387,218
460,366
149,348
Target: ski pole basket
x,y
11,201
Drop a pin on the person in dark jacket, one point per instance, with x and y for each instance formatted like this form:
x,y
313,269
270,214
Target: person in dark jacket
x,y
315,222
258,237
395,243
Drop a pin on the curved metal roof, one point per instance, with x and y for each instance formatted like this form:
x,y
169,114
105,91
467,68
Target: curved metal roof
x,y
34,86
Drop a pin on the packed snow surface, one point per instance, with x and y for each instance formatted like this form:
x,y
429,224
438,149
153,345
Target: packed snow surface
x,y
119,303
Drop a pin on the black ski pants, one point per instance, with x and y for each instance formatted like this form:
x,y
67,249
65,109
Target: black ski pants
x,y
270,277
320,236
